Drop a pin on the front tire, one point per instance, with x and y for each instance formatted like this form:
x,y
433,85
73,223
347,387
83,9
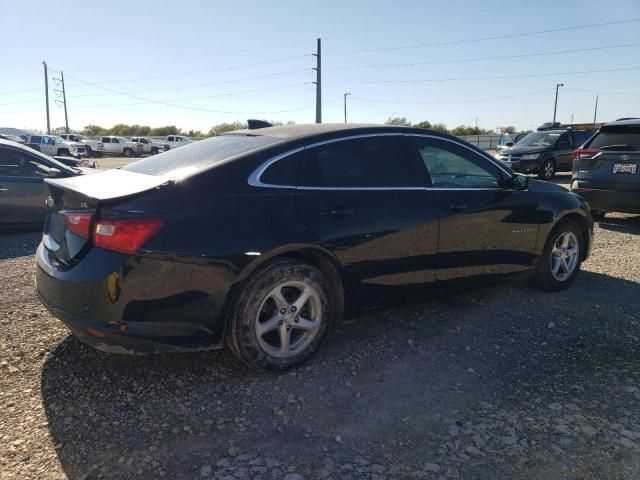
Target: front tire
x,y
561,257
154,151
63,152
281,316
547,170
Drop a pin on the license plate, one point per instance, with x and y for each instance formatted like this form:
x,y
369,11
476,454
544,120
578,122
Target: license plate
x,y
625,168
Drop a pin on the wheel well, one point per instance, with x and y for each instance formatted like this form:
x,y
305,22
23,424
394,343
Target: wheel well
x,y
331,273
584,229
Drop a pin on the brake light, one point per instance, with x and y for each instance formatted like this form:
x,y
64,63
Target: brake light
x,y
125,236
79,223
584,153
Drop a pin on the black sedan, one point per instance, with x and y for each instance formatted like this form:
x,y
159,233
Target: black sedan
x,y
22,171
264,238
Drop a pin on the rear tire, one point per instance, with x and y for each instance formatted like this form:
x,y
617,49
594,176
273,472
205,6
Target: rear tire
x,y
63,152
561,257
127,152
281,316
154,151
547,170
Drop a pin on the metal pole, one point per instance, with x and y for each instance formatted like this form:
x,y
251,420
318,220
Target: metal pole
x,y
319,83
595,111
555,105
345,106
64,99
46,95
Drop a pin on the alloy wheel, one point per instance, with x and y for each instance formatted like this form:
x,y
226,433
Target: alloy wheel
x,y
564,256
288,319
548,170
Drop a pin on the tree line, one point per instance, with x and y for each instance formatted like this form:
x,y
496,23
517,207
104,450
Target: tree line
x,y
122,129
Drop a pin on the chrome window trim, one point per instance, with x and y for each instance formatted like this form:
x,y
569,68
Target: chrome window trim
x,y
254,178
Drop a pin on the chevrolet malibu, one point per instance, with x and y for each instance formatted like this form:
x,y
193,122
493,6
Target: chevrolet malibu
x,y
264,239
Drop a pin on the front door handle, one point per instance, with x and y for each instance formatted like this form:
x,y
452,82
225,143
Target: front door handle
x,y
337,212
4,189
456,206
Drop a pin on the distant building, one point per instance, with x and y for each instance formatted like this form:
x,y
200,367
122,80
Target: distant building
x,y
17,132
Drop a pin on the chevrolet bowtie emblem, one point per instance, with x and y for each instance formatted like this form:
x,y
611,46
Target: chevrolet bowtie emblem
x,y
49,202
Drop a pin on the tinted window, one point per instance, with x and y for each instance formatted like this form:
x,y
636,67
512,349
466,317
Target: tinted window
x,y
626,135
452,166
362,162
284,171
106,140
198,155
170,139
36,139
19,164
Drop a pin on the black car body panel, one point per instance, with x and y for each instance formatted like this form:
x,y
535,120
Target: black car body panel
x,y
606,171
227,218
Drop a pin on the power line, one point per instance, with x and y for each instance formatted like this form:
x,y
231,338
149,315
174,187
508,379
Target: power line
x,y
479,59
494,77
405,102
482,39
601,91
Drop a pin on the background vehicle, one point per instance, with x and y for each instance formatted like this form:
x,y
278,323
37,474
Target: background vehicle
x,y
94,147
149,145
22,169
306,224
175,141
544,152
53,145
121,146
606,169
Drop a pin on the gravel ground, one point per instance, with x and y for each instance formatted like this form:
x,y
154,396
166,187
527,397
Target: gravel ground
x,y
501,382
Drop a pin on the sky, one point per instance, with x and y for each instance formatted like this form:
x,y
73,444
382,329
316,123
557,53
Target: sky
x,y
195,64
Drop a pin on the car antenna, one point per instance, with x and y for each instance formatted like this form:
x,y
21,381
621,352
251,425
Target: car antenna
x,y
254,124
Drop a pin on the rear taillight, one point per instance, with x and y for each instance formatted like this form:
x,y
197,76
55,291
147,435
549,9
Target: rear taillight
x,y
125,236
79,223
584,153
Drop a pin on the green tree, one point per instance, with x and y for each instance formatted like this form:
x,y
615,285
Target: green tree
x,y
164,131
226,127
398,121
94,130
468,130
424,124
439,127
508,129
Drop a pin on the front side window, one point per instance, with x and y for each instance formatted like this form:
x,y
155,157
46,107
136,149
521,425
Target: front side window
x,y
115,140
106,140
19,164
453,166
170,139
357,163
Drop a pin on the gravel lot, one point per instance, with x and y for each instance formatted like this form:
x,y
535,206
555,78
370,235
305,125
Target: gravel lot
x,y
501,382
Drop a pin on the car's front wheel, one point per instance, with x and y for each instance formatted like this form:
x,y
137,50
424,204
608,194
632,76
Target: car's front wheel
x,y
547,170
281,316
561,257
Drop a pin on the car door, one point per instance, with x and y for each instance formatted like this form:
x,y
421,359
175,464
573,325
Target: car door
x,y
362,198
21,188
486,228
562,152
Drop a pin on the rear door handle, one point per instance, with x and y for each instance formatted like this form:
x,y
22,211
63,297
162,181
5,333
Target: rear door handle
x,y
456,206
337,212
4,189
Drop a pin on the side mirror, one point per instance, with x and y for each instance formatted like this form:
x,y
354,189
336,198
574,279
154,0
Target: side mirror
x,y
509,144
519,182
54,172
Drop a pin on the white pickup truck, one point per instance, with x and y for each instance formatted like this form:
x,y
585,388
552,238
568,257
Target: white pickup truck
x,y
149,145
94,147
120,146
53,145
175,141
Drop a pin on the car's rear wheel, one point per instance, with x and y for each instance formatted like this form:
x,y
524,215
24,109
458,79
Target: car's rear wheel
x,y
154,151
63,152
127,152
561,257
281,316
547,170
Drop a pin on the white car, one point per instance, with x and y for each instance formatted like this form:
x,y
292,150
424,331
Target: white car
x,y
120,146
94,147
53,145
149,145
175,141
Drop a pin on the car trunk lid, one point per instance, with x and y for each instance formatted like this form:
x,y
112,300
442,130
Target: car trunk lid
x,y
607,169
74,204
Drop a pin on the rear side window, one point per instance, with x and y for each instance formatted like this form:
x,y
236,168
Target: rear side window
x,y
363,162
284,172
618,137
202,154
106,140
36,139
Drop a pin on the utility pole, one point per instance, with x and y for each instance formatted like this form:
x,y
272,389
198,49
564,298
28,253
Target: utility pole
x,y
345,106
60,81
318,83
46,95
555,105
595,111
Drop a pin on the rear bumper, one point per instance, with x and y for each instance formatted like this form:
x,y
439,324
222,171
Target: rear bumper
x,y
611,200
106,309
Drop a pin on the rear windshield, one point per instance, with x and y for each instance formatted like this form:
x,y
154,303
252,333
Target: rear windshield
x,y
199,155
626,137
